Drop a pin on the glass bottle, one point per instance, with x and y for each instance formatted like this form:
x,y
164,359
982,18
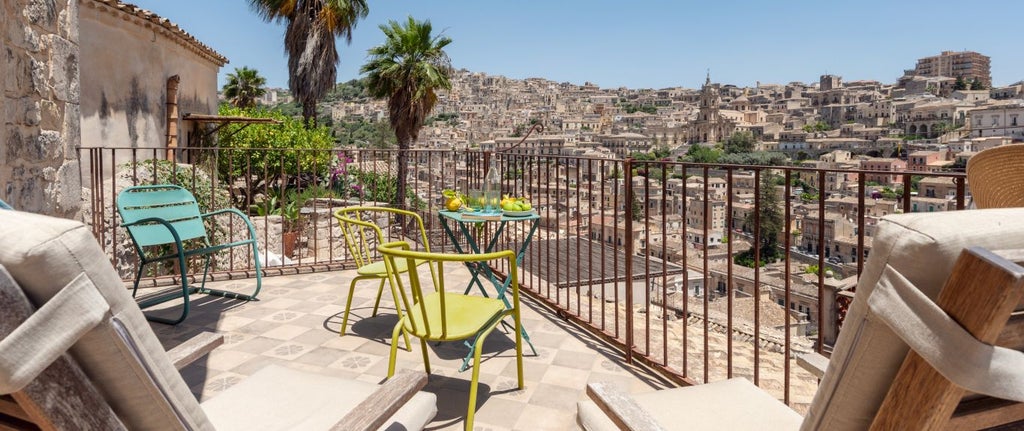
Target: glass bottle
x,y
492,189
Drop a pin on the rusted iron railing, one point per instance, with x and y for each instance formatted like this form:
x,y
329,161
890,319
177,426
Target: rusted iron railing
x,y
641,252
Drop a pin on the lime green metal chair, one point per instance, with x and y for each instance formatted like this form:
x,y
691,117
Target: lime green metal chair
x,y
168,215
434,314
362,232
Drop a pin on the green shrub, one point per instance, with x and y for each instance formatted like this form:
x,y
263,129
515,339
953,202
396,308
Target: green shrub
x,y
273,152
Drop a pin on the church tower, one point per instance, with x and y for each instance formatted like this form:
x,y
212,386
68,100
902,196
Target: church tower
x,y
707,127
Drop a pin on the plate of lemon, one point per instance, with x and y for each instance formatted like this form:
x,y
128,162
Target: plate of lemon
x,y
516,207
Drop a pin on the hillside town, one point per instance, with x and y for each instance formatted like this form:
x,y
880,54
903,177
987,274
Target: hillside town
x,y
934,118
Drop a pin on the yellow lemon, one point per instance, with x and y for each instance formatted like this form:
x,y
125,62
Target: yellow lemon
x,y
453,204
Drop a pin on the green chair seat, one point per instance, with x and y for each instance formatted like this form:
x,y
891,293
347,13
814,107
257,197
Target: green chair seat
x,y
380,269
465,316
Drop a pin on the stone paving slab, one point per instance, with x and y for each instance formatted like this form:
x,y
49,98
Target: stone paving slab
x,y
296,323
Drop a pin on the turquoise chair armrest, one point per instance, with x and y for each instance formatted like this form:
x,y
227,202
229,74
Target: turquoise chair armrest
x,y
235,211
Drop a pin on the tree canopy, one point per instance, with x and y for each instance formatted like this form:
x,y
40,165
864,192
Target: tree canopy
x,y
771,222
312,28
740,142
244,87
408,70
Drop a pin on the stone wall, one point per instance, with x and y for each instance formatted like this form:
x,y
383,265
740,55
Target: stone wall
x,y
38,162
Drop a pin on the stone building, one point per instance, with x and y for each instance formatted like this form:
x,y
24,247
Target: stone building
x,y
963,64
1003,119
140,74
40,98
710,125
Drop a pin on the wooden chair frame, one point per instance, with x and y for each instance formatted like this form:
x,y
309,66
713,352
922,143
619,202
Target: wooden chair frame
x,y
983,294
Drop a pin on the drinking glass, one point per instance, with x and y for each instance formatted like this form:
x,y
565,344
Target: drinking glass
x,y
477,199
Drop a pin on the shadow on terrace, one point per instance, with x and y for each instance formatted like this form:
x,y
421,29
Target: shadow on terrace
x,y
626,272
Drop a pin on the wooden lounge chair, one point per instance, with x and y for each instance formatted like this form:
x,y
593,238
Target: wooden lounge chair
x,y
76,353
929,298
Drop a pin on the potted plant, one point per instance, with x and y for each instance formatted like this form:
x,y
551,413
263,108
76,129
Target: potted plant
x,y
291,223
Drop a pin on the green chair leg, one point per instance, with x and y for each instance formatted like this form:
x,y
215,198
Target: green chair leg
x,y
426,359
473,387
394,349
348,306
138,278
380,292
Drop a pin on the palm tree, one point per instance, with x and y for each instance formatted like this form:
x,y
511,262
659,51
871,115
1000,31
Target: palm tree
x,y
408,69
244,87
309,42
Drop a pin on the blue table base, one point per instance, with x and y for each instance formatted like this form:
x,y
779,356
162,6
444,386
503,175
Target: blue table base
x,y
476,269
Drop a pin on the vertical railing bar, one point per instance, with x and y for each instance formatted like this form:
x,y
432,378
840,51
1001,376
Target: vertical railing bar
x,y
707,325
627,172
590,236
787,288
664,262
757,276
579,219
960,192
615,240
861,185
821,258
907,183
728,271
647,257
604,247
548,244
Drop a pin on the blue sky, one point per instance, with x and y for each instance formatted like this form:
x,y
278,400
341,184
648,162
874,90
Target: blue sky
x,y
646,43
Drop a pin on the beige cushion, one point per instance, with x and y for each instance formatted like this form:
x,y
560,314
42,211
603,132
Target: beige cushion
x,y
922,248
44,254
734,404
280,398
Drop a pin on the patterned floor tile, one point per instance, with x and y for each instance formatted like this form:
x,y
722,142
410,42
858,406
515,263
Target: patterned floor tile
x,y
296,324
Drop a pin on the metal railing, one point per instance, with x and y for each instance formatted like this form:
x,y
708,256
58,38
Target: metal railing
x,y
641,252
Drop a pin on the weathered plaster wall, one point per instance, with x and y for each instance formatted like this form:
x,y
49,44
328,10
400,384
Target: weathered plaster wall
x,y
40,62
126,61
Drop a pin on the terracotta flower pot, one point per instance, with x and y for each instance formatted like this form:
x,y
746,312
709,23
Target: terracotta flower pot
x,y
288,241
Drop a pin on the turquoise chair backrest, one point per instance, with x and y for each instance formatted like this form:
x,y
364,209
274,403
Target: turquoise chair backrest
x,y
171,203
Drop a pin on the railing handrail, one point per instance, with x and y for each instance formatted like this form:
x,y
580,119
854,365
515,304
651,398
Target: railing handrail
x,y
580,209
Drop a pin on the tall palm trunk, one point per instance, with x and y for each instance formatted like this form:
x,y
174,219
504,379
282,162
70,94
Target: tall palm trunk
x,y
403,171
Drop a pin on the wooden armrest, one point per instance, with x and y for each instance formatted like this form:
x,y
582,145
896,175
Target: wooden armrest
x,y
383,403
195,348
814,363
621,408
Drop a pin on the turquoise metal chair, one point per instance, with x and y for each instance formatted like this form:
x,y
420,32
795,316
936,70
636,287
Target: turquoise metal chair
x,y
162,215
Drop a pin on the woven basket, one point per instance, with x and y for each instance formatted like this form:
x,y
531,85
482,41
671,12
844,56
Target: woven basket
x,y
996,177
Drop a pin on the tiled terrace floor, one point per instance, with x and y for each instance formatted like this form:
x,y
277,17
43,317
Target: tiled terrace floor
x,y
296,324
